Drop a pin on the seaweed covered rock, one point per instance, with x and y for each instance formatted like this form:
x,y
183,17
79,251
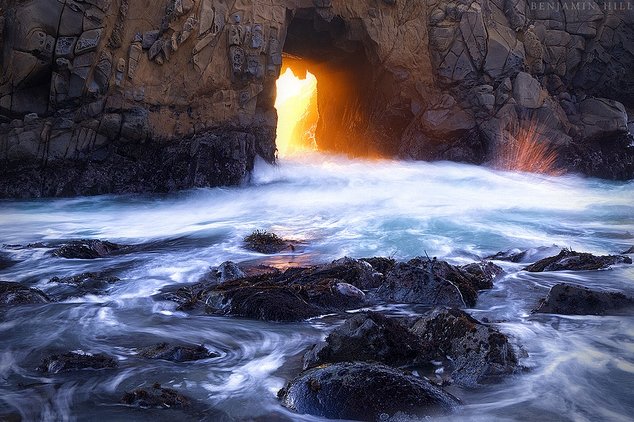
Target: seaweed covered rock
x,y
267,243
576,261
569,299
356,272
270,301
156,396
87,249
176,353
73,361
12,294
82,284
380,264
433,282
478,353
364,391
369,336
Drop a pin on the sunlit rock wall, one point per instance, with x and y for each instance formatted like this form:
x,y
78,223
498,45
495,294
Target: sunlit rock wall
x,y
154,95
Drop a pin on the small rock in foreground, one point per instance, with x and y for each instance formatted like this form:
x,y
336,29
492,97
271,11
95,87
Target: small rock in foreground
x,y
364,391
12,294
156,396
174,353
73,361
86,249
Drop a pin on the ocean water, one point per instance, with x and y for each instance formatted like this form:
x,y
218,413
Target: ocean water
x,y
578,368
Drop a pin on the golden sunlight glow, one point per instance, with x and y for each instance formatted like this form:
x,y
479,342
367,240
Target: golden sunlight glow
x,y
293,102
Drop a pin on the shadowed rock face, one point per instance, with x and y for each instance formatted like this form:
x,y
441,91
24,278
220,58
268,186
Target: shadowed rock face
x,y
568,299
576,261
363,391
84,108
156,396
176,353
86,249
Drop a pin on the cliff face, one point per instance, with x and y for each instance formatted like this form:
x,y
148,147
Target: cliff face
x,y
134,95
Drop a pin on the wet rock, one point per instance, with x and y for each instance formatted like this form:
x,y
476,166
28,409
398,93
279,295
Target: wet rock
x,y
226,271
629,251
175,353
484,272
576,261
433,282
569,299
355,272
478,353
272,301
156,396
6,262
12,294
369,337
88,282
381,264
268,243
73,361
364,391
86,249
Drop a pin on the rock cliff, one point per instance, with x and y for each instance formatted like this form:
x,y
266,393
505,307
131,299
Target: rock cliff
x,y
104,96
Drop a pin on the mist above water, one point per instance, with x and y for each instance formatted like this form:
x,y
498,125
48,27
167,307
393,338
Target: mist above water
x,y
581,368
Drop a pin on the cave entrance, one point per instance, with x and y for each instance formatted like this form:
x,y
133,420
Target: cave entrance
x,y
336,104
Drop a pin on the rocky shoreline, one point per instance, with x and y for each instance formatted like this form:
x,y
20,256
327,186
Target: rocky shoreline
x,y
371,366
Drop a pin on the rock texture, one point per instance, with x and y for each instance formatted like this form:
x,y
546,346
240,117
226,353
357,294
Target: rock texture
x,y
114,96
576,261
363,391
569,299
73,361
12,294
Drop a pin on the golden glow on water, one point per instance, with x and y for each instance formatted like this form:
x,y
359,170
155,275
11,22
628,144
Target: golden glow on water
x,y
292,103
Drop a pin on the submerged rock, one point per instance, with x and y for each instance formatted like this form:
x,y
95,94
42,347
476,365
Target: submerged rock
x,y
6,262
73,361
265,242
86,249
575,261
364,391
381,264
174,353
434,282
629,251
478,353
369,336
156,396
12,294
569,299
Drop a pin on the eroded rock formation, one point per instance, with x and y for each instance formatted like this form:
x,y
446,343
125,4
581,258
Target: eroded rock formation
x,y
130,95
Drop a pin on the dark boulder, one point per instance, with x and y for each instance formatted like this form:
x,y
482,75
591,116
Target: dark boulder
x,y
174,353
73,361
568,299
156,396
81,284
483,272
629,251
356,272
369,336
433,282
576,261
87,249
364,391
477,353
267,243
12,294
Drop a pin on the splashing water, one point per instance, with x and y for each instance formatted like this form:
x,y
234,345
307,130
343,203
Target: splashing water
x,y
581,367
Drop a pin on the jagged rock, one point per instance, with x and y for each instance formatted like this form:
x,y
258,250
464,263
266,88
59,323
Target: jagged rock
x,y
157,396
602,118
380,264
369,337
86,249
478,353
527,91
629,251
434,282
149,38
568,299
88,41
569,260
12,294
364,391
174,353
73,361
